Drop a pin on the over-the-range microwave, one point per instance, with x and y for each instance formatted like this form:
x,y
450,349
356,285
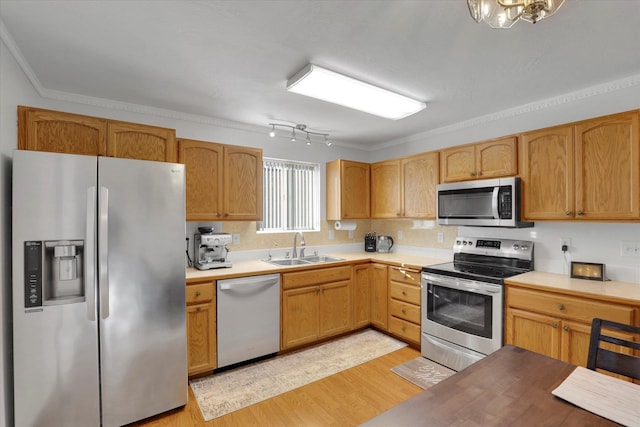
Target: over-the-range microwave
x,y
484,203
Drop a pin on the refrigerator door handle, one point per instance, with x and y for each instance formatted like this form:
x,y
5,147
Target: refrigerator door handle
x,y
90,258
103,252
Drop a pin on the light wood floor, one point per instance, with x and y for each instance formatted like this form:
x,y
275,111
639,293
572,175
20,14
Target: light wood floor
x,y
347,398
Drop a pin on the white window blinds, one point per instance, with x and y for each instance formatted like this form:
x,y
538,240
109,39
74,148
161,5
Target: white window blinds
x,y
291,196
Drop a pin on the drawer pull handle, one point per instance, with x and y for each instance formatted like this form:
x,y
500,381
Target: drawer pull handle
x,y
404,311
554,325
404,293
199,309
568,213
566,328
560,307
197,293
580,213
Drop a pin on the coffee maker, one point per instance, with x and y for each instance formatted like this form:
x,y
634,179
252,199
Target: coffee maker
x,y
211,250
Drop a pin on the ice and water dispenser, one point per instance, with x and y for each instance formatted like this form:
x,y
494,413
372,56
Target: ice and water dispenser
x,y
53,272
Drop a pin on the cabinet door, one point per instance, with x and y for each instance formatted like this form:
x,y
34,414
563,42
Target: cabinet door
x,y
420,175
546,169
242,183
458,164
535,332
497,158
386,190
53,131
355,188
201,333
300,316
607,168
379,296
203,173
335,308
362,295
141,142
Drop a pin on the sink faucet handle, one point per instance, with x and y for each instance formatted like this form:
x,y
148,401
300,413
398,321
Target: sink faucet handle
x,y
287,255
302,252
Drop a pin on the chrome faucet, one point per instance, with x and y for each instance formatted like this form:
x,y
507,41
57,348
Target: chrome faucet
x,y
302,243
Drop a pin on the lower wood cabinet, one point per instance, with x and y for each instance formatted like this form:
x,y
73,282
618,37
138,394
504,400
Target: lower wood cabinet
x,y
201,327
404,303
315,304
379,296
362,295
558,325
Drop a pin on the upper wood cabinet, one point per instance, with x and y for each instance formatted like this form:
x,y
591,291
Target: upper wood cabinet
x,y
347,186
57,132
223,182
489,159
405,188
54,131
585,171
141,142
386,189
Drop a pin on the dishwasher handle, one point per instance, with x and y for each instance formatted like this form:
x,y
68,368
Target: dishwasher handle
x,y
244,283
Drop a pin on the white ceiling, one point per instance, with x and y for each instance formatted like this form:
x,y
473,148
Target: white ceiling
x,y
230,60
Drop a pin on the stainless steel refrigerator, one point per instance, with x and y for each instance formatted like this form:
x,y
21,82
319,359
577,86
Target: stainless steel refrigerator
x,y
99,326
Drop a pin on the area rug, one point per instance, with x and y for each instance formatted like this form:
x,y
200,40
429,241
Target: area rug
x,y
222,393
423,372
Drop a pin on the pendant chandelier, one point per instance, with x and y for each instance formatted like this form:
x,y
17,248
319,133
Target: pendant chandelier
x,y
505,13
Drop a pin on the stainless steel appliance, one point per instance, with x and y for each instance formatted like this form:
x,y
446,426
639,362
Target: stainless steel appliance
x,y
385,243
211,250
99,331
487,203
462,301
248,311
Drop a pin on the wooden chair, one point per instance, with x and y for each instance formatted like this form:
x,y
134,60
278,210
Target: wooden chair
x,y
609,360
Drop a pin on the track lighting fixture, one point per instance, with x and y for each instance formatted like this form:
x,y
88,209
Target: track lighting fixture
x,y
301,128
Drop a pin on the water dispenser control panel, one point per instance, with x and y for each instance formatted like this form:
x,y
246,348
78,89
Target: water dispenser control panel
x,y
32,274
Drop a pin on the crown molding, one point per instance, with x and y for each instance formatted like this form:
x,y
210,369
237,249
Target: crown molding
x,y
566,98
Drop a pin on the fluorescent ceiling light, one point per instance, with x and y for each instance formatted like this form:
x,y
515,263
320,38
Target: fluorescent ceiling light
x,y
327,85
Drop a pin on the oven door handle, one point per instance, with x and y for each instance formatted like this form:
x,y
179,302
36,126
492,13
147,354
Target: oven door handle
x,y
462,284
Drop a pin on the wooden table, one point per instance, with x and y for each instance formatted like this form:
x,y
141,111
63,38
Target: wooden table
x,y
512,386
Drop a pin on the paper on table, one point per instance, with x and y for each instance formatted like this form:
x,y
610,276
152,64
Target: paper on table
x,y
609,397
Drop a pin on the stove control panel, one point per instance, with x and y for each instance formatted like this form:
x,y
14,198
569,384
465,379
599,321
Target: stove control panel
x,y
522,249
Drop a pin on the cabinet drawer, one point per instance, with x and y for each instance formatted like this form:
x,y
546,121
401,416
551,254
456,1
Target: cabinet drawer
x,y
575,308
410,277
319,276
200,293
406,293
405,311
404,329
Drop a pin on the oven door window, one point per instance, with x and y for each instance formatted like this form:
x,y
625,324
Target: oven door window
x,y
462,310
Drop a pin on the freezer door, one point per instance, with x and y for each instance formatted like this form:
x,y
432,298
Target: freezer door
x,y
55,342
141,232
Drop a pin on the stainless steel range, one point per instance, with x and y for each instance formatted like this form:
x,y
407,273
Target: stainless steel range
x,y
462,301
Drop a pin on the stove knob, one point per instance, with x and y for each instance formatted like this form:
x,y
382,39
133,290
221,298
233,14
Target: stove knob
x,y
464,242
516,246
524,247
458,242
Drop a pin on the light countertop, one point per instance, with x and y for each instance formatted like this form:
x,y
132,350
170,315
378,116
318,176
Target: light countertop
x,y
255,267
614,291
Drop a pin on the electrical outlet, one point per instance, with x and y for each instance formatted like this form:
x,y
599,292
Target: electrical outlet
x,y
331,235
629,248
565,241
440,237
236,238
351,234
400,234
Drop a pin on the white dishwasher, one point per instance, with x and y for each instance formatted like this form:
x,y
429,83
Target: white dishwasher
x,y
248,314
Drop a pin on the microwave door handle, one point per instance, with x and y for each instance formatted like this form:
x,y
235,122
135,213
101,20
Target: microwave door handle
x,y
494,202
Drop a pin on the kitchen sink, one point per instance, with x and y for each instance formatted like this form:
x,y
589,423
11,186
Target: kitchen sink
x,y
288,261
311,259
321,258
